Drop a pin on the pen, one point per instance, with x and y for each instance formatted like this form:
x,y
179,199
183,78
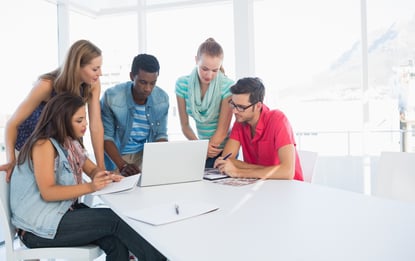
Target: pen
x,y
227,156
176,207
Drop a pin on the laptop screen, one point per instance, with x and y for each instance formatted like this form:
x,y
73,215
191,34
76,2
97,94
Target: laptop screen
x,y
173,162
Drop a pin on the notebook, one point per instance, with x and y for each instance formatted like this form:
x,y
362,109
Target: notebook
x,y
124,185
171,212
173,162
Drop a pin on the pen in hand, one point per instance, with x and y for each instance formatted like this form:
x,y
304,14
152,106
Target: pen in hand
x,y
176,208
227,156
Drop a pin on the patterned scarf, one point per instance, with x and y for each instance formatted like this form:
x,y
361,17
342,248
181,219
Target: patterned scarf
x,y
204,110
76,157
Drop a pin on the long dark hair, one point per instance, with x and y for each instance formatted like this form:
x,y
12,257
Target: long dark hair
x,y
55,122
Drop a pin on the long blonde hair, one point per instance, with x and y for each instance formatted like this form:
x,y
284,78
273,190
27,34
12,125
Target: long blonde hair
x,y
66,78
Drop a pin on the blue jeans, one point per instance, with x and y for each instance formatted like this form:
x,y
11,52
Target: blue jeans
x,y
100,226
210,161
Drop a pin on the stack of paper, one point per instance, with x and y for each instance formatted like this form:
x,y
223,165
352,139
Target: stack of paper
x,y
171,212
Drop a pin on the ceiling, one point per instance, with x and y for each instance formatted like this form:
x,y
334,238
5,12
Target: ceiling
x,y
113,7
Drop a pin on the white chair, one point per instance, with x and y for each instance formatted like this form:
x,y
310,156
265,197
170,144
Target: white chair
x,y
308,161
13,253
342,172
395,176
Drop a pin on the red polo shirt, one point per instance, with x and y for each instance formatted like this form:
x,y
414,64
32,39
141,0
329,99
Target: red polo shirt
x,y
273,131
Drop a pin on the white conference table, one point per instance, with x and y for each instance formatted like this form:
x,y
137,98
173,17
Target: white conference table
x,y
275,220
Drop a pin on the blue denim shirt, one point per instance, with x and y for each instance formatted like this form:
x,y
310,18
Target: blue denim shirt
x,y
117,111
28,210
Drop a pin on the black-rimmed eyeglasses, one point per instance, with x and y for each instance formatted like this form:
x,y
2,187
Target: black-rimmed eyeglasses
x,y
238,107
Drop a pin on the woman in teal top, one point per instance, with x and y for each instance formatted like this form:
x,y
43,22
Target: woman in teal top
x,y
204,95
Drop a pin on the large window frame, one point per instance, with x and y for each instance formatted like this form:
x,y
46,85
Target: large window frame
x,y
241,56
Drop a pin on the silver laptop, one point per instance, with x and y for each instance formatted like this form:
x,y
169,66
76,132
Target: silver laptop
x,y
173,162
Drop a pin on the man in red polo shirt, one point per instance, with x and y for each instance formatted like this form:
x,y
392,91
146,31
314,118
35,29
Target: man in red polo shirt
x,y
266,137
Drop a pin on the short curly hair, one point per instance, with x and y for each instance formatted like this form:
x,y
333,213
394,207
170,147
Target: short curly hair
x,y
145,62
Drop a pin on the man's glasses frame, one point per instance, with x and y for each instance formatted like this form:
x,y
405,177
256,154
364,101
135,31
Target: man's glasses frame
x,y
240,108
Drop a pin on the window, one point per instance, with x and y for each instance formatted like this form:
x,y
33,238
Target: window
x,y
391,58
312,67
28,49
174,36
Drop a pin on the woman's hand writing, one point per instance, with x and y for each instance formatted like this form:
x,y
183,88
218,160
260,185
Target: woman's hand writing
x,y
103,178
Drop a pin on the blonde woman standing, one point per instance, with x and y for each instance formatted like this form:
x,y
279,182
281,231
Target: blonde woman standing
x,y
78,75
